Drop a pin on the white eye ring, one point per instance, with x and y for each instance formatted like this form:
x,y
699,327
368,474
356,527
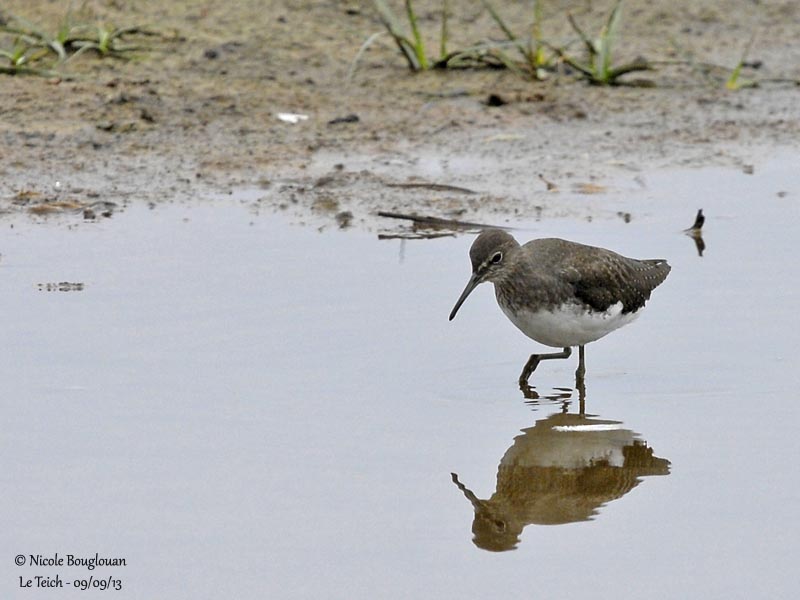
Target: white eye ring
x,y
496,257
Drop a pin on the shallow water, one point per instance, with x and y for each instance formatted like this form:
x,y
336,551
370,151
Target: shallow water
x,y
245,409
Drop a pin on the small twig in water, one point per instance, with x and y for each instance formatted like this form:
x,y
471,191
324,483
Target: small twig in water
x,y
413,236
698,221
696,232
436,221
438,187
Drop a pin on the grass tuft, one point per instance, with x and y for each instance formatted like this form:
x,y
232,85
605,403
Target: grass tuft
x,y
35,51
484,54
531,51
598,66
531,56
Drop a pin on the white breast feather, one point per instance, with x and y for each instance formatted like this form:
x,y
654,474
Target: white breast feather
x,y
569,325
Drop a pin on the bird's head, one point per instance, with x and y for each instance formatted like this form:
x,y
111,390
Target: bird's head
x,y
489,255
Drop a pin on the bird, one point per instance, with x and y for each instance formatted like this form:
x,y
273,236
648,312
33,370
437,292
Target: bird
x,y
560,293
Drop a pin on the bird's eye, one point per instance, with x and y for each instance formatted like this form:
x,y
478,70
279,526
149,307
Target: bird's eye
x,y
498,256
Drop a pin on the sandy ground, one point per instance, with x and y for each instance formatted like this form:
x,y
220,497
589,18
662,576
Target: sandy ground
x,y
195,114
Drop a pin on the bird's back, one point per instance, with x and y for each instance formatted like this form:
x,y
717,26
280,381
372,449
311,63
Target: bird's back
x,y
595,276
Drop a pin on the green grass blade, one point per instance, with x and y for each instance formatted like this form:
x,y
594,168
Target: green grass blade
x,y
508,63
369,41
733,82
390,22
526,53
585,70
614,74
536,47
419,45
444,32
590,47
607,37
59,49
30,28
498,19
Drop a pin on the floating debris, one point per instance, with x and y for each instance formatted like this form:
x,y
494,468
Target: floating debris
x,y
699,220
59,206
292,118
89,210
590,188
414,235
696,232
436,187
351,118
436,221
344,219
63,286
551,187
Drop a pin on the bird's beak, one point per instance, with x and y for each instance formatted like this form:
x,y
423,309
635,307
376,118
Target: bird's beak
x,y
473,281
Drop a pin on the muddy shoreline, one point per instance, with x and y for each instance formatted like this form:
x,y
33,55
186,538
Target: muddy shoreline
x,y
194,116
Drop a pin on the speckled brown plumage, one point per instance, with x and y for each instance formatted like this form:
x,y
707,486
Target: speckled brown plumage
x,y
548,272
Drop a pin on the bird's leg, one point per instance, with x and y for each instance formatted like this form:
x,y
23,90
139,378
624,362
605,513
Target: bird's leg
x,y
580,384
534,361
579,374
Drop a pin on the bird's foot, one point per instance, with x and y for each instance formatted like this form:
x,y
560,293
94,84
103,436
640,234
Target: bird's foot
x,y
528,370
534,361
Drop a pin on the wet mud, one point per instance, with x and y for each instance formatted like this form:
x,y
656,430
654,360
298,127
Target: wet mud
x,y
197,112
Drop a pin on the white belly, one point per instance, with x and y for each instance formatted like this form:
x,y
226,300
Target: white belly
x,y
570,325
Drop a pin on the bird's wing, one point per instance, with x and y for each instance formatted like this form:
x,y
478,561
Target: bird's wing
x,y
603,279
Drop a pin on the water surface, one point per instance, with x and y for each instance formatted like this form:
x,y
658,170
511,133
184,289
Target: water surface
x,y
246,409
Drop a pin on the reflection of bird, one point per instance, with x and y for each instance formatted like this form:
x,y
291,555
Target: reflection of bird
x,y
562,470
560,293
